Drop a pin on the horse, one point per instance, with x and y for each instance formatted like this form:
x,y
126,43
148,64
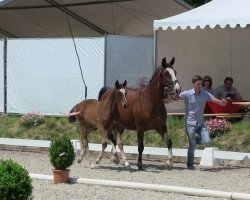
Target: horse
x,y
146,110
93,114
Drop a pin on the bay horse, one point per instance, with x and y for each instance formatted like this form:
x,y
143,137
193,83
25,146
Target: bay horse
x,y
146,110
93,114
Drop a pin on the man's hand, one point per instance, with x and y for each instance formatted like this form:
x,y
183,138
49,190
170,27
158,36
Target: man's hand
x,y
223,102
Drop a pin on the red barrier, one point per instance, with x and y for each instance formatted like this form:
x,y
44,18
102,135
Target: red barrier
x,y
215,108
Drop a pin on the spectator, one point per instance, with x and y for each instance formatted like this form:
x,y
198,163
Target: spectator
x,y
227,91
195,100
207,84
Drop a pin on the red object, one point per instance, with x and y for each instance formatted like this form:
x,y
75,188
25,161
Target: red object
x,y
212,107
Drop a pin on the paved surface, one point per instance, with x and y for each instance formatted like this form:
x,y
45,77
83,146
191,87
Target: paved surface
x,y
227,178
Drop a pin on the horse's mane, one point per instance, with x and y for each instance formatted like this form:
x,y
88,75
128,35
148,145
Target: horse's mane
x,y
152,77
102,91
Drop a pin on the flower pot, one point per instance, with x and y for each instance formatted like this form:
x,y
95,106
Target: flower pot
x,y
61,176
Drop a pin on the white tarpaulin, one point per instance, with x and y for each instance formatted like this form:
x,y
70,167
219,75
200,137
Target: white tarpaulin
x,y
129,58
214,50
44,76
2,77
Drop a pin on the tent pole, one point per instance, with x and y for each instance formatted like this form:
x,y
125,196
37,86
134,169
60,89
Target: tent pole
x,y
155,49
230,50
105,60
5,74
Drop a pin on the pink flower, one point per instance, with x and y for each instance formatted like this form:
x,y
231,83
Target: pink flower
x,y
216,126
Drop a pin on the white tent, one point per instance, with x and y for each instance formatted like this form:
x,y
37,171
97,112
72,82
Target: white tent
x,y
213,39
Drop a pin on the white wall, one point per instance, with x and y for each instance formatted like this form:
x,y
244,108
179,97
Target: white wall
x,y
215,52
2,77
44,76
128,58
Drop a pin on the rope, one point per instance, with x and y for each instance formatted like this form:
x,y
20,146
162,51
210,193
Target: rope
x,y
78,58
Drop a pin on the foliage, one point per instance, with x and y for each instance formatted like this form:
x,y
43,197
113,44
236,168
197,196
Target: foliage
x,y
216,126
32,119
196,3
15,183
61,152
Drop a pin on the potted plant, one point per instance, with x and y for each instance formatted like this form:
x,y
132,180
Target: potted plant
x,y
62,156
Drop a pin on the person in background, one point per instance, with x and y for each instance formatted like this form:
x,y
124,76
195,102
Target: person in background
x,y
227,91
207,84
195,100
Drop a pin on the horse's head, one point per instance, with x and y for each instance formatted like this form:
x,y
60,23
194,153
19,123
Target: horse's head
x,y
168,77
121,94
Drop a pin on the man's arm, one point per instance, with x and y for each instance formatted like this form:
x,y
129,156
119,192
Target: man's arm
x,y
221,102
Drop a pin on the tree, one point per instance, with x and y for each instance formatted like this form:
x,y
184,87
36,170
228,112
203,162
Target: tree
x,y
197,3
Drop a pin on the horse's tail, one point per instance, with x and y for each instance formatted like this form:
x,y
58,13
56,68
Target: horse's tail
x,y
72,118
102,91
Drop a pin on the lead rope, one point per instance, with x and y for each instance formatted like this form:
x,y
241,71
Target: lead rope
x,y
78,58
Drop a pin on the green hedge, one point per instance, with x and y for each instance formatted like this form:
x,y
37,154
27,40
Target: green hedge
x,y
15,182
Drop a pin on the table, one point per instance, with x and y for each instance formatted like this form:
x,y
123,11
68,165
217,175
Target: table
x,y
245,107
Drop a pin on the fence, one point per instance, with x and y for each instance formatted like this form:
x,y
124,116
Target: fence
x,y
209,156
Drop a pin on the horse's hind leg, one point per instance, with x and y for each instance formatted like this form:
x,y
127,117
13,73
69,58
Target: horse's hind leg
x,y
104,144
84,145
112,136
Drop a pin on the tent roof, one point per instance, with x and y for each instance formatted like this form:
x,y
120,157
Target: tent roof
x,y
47,18
216,12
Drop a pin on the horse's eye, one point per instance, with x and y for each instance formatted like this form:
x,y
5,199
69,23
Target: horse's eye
x,y
167,74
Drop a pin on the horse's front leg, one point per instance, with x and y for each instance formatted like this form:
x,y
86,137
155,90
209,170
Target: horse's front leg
x,y
140,138
102,131
120,145
164,133
169,163
112,136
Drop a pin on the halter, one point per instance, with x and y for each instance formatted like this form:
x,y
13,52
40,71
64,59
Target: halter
x,y
170,87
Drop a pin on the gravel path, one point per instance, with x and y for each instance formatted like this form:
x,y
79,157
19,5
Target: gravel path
x,y
227,178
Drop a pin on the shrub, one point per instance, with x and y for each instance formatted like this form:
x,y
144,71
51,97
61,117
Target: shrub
x,y
15,182
61,152
32,119
217,126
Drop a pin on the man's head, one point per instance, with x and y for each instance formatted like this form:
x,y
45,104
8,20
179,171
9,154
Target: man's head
x,y
197,82
228,83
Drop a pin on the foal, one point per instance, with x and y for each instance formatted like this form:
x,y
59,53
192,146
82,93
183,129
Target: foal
x,y
94,115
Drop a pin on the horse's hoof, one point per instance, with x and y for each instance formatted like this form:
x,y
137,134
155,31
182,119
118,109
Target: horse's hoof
x,y
115,160
79,161
97,162
127,164
92,166
169,167
140,166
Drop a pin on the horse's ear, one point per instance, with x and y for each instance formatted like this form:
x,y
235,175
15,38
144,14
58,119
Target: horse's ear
x,y
163,62
124,83
172,62
117,84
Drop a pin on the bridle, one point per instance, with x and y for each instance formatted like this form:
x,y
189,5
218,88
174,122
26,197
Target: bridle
x,y
170,86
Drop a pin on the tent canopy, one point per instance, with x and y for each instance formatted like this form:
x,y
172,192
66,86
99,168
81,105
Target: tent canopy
x,y
216,12
47,18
